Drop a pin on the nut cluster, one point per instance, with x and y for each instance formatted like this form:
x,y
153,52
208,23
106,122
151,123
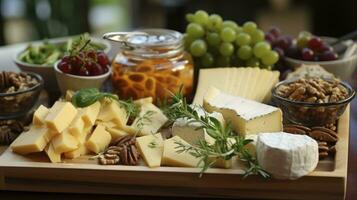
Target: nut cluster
x,y
325,137
123,151
9,130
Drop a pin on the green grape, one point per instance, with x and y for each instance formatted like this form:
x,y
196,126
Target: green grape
x,y
195,30
249,27
201,17
198,48
207,60
305,34
190,17
214,22
213,39
270,58
228,34
253,62
239,30
230,24
257,36
223,61
243,39
302,42
261,48
245,52
226,49
187,40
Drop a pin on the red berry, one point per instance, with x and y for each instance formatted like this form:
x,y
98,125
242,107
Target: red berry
x,y
66,58
314,43
293,52
102,59
307,54
283,42
328,55
279,51
77,61
83,71
65,67
325,47
275,31
270,38
96,70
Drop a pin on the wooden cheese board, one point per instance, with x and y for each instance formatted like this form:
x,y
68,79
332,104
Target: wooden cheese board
x,y
83,175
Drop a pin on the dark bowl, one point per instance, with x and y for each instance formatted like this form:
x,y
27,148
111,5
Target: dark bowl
x,y
311,114
17,104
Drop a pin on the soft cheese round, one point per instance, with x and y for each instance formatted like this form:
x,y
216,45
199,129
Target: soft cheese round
x,y
287,156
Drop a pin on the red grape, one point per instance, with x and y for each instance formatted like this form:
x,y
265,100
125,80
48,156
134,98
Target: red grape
x,y
270,38
83,71
314,43
327,56
307,54
65,67
66,58
293,52
102,59
95,70
283,42
275,31
325,47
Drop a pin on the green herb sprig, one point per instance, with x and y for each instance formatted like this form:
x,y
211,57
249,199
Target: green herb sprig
x,y
226,145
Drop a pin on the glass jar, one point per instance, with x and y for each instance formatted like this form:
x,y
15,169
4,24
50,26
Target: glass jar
x,y
151,63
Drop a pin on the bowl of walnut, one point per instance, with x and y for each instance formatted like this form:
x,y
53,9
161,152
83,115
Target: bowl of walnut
x,y
312,101
18,93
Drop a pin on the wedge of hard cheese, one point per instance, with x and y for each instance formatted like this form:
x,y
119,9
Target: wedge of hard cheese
x,y
99,140
151,148
246,116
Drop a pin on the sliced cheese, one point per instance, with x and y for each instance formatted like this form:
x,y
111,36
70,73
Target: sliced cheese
x,y
149,121
171,156
151,148
40,115
34,140
251,74
112,112
246,116
60,116
52,154
90,113
273,81
64,142
99,140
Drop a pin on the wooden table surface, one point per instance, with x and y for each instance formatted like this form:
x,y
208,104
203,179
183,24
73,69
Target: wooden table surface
x,y
6,54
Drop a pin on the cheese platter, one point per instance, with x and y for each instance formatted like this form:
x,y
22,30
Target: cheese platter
x,y
248,133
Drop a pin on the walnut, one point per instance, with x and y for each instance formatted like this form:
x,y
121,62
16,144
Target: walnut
x,y
9,130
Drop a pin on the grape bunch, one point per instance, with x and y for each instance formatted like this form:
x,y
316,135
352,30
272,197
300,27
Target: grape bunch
x,y
214,42
306,46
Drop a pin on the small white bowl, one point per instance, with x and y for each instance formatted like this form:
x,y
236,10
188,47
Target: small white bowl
x,y
74,82
341,68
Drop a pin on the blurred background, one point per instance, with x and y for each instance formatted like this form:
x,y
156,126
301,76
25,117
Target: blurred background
x,y
26,20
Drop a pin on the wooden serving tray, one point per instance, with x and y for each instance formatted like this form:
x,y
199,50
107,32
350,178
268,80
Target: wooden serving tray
x,y
82,175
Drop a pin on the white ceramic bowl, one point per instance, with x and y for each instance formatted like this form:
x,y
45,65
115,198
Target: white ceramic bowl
x,y
74,82
47,72
341,68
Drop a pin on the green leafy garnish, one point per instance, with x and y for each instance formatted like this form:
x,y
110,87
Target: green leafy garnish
x,y
144,120
226,145
87,96
153,144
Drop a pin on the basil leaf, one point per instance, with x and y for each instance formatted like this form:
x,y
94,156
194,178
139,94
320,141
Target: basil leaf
x,y
86,97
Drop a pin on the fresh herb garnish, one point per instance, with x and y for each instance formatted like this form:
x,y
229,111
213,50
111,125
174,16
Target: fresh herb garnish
x,y
88,96
144,120
226,145
153,144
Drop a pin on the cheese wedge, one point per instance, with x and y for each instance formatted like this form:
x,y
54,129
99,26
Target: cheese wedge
x,y
60,116
34,140
112,112
52,154
116,133
149,121
99,140
171,156
90,113
64,142
151,148
246,116
273,81
40,115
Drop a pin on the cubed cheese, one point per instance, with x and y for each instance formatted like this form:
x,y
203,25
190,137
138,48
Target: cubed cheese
x,y
108,124
246,116
151,148
60,116
77,125
35,140
40,115
90,113
52,154
150,120
80,151
99,140
64,142
111,111
171,156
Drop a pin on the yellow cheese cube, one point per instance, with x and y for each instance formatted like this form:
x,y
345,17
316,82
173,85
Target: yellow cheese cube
x,y
77,125
52,154
171,157
99,140
151,148
116,133
60,116
40,115
64,142
82,149
108,124
111,111
90,113
35,140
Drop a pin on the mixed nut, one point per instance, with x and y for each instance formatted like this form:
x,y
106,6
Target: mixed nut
x,y
326,137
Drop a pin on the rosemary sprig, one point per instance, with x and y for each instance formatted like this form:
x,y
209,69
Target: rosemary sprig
x,y
226,145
